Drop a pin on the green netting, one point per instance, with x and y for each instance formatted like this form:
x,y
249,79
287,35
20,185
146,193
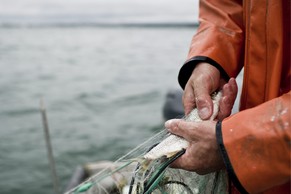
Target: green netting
x,y
139,173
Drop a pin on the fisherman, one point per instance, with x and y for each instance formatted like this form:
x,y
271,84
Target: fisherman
x,y
253,145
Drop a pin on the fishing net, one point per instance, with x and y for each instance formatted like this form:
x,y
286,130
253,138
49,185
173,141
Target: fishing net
x,y
146,169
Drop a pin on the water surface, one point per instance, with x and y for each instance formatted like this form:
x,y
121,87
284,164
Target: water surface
x,y
104,88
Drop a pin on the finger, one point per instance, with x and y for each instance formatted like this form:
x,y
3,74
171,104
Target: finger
x,y
187,130
234,87
188,99
202,91
204,104
230,89
203,99
229,92
172,125
191,160
225,108
178,127
205,84
185,162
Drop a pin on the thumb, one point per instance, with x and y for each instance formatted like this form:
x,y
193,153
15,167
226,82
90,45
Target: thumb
x,y
206,81
180,127
203,102
188,99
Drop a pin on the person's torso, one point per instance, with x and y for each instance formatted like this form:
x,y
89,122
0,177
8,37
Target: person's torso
x,y
267,71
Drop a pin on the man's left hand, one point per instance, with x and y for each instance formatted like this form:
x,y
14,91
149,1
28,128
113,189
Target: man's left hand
x,y
203,155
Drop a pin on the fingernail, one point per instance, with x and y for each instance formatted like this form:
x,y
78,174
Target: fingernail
x,y
204,113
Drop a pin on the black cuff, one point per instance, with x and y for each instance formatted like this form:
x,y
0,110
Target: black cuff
x,y
187,68
226,160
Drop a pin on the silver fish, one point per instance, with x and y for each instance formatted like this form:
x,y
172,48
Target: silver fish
x,y
173,143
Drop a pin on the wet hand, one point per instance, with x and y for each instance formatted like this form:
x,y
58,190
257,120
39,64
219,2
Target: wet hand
x,y
202,155
205,80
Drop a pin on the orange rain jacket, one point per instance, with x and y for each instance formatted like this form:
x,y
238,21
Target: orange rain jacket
x,y
254,34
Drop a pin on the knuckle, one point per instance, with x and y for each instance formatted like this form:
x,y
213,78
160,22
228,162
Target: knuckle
x,y
203,98
180,124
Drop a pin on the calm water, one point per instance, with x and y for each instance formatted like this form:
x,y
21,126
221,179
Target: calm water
x,y
104,88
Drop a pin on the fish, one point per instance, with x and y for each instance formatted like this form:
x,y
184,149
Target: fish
x,y
172,144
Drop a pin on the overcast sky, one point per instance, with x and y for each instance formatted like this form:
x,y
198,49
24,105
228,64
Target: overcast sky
x,y
185,10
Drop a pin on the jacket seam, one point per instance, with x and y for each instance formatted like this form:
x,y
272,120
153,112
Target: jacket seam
x,y
267,51
246,65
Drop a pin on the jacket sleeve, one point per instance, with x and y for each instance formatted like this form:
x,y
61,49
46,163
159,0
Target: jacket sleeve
x,y
256,145
219,39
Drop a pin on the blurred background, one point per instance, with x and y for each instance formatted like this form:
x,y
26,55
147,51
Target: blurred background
x,y
103,68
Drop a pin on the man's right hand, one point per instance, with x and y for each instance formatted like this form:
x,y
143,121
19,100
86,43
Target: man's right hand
x,y
205,80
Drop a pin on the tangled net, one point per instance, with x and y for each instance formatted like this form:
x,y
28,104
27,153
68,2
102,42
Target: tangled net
x,y
136,174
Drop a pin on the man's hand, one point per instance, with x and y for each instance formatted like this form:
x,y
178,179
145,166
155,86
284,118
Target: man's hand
x,y
202,155
205,80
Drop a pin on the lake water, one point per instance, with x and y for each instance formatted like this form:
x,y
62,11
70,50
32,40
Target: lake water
x,y
102,67
104,88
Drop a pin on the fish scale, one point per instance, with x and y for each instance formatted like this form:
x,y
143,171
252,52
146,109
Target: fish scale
x,y
172,144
